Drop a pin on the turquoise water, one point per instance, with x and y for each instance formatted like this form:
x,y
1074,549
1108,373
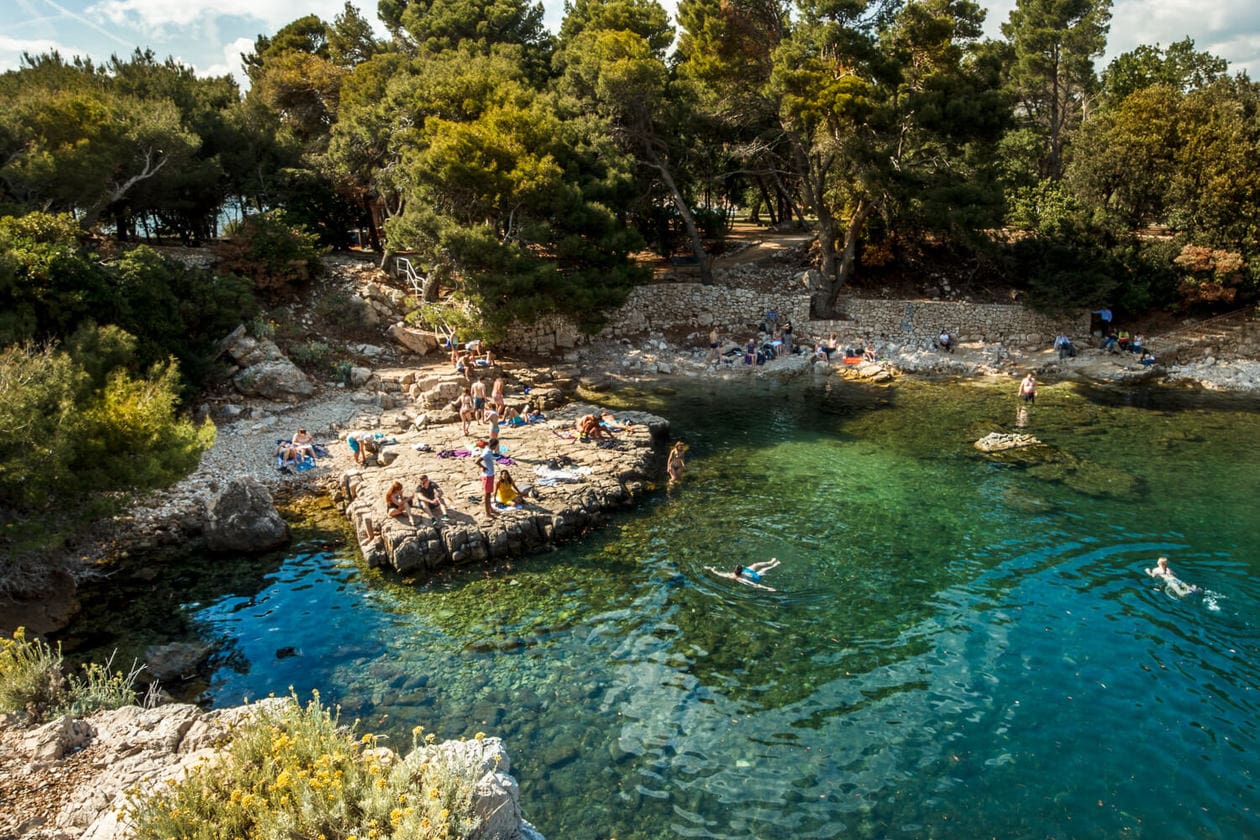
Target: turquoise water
x,y
957,647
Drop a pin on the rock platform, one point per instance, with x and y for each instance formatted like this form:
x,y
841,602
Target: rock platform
x,y
569,486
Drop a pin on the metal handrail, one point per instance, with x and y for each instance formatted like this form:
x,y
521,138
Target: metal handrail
x,y
404,269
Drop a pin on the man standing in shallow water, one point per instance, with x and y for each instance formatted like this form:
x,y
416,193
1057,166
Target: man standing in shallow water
x,y
1028,388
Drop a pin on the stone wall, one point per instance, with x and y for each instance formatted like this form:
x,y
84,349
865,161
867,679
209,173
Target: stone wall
x,y
669,306
666,306
922,320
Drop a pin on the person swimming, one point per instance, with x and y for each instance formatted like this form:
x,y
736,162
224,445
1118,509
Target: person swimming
x,y
1173,585
750,575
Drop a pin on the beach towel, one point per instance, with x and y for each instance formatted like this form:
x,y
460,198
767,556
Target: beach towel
x,y
505,461
454,453
563,435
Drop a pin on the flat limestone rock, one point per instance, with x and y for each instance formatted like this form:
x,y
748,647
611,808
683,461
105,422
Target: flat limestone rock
x,y
569,485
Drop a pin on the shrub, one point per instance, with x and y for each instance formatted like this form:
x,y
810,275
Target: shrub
x,y
63,435
296,772
30,676
338,310
275,254
310,354
32,682
1209,275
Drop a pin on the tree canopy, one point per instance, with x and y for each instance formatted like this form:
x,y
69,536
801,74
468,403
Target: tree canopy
x,y
521,170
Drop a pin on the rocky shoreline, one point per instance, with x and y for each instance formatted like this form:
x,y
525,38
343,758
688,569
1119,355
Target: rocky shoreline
x,y
71,779
568,484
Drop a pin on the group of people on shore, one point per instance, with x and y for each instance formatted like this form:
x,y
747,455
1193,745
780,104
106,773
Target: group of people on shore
x,y
476,406
498,489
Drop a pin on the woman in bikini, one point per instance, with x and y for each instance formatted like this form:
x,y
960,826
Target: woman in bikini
x,y
395,502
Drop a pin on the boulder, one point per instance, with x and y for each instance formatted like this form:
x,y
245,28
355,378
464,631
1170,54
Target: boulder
x,y
359,376
417,341
242,517
175,661
274,379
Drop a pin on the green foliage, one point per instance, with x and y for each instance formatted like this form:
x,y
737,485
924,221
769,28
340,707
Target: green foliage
x,y
64,435
1180,67
1053,44
310,354
32,682
49,282
277,255
297,772
1070,268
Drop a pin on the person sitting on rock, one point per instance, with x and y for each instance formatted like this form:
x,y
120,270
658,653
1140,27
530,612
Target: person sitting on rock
x,y
506,493
588,427
945,341
396,503
869,353
287,453
1109,343
304,441
430,498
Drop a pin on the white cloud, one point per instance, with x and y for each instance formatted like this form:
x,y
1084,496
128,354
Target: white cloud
x,y
11,50
231,65
156,15
1227,28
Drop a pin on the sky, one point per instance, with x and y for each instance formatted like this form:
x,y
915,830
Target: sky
x,y
210,35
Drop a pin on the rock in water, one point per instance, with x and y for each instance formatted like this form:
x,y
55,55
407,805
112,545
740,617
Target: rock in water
x,y
175,661
243,518
1000,442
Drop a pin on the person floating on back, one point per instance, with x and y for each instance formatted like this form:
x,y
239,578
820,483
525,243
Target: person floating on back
x,y
1173,585
750,575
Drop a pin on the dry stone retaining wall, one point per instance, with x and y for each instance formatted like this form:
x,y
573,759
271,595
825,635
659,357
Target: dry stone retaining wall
x,y
922,320
666,306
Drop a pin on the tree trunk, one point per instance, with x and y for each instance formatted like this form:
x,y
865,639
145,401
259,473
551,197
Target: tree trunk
x,y
374,236
768,202
857,221
693,233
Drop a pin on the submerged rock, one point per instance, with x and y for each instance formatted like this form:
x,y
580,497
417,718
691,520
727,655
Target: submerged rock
x,y
176,661
1001,441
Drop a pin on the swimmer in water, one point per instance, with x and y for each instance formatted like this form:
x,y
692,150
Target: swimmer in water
x,y
1175,585
749,575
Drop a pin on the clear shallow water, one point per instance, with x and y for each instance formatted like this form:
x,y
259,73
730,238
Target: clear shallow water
x,y
957,647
